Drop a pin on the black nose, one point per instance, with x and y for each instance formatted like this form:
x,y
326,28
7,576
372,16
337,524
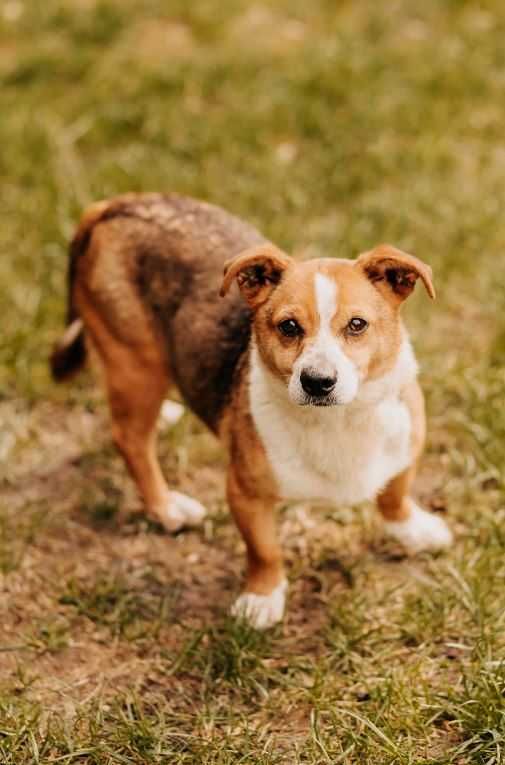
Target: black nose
x,y
317,386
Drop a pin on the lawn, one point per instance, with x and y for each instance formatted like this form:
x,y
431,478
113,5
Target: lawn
x,y
333,126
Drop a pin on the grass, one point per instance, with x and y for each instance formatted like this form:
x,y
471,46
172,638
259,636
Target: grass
x,y
332,126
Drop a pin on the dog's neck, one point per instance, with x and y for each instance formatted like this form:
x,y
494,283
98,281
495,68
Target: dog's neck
x,y
271,390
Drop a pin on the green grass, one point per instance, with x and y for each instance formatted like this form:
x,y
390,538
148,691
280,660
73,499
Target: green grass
x,y
333,127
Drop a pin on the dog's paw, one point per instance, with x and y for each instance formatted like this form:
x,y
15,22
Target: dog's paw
x,y
420,531
170,413
261,611
180,511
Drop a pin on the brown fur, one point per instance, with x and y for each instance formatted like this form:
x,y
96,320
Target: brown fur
x,y
292,297
144,277
251,491
150,269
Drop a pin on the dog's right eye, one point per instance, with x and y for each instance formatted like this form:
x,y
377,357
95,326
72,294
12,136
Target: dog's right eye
x,y
290,328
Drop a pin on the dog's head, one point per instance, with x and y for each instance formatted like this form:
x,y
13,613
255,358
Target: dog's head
x,y
324,327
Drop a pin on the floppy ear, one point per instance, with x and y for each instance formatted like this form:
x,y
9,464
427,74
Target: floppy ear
x,y
257,270
394,272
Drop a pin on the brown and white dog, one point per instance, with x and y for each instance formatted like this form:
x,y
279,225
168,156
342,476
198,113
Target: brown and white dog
x,y
305,373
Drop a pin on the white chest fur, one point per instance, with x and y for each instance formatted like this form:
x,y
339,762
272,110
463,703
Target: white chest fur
x,y
341,454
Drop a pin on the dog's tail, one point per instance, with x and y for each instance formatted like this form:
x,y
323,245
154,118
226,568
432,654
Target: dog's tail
x,y
69,352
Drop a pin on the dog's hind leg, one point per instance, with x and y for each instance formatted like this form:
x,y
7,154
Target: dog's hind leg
x,y
137,380
171,412
136,392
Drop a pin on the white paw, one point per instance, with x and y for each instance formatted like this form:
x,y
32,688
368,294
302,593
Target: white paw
x,y
420,531
171,412
261,611
180,511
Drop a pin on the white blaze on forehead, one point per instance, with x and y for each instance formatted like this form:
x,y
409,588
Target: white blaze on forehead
x,y
326,299
323,355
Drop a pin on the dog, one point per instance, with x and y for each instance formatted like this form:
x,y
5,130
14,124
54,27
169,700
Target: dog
x,y
305,372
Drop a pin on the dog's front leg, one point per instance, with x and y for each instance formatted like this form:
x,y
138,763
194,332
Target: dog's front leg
x,y
404,520
263,600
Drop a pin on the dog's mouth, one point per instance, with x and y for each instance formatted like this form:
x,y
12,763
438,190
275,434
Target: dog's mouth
x,y
320,401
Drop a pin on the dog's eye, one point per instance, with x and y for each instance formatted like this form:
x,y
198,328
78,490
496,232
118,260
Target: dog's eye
x,y
290,328
356,326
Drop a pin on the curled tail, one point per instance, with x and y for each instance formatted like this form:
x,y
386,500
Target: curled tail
x,y
69,352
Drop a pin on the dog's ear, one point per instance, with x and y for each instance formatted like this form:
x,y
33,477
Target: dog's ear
x,y
257,270
395,273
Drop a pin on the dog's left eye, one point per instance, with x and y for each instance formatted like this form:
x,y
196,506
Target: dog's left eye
x,y
356,326
290,328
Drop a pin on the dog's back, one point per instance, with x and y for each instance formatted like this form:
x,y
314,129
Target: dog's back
x,y
145,269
